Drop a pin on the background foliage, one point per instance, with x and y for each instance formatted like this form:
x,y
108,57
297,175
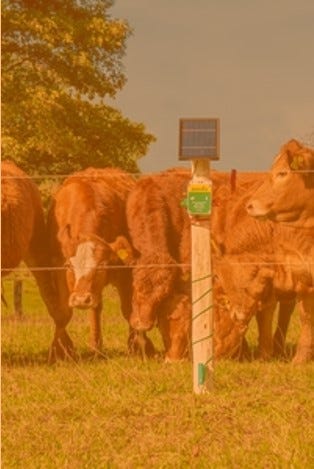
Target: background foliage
x,y
61,61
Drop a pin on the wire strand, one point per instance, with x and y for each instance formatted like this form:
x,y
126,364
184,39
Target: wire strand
x,y
149,266
73,175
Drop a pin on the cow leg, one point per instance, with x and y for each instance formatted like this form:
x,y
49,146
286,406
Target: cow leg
x,y
244,353
285,310
55,297
95,328
46,287
62,345
265,341
39,263
305,347
17,297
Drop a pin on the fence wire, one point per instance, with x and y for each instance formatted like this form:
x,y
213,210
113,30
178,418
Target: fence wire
x,y
136,175
19,270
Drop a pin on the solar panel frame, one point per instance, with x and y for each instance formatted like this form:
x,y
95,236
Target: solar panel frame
x,y
199,138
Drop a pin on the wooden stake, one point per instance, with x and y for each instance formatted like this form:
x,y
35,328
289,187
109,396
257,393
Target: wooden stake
x,y
202,298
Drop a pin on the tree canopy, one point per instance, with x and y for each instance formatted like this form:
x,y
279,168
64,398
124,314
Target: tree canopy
x,y
61,61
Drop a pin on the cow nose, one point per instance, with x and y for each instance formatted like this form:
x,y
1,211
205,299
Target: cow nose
x,y
237,315
249,207
141,325
81,300
87,299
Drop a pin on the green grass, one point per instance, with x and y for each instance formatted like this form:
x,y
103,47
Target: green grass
x,y
120,412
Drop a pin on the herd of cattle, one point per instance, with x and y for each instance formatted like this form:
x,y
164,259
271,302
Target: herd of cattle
x,y
106,227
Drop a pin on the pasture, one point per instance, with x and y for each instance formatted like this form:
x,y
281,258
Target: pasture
x,y
115,411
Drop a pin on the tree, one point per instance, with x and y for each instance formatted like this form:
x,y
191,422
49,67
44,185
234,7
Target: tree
x,y
61,60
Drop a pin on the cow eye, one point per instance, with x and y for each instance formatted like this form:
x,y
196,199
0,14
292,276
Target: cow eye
x,y
282,174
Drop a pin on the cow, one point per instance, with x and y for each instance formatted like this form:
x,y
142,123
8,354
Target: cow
x,y
245,261
88,240
159,229
287,197
23,230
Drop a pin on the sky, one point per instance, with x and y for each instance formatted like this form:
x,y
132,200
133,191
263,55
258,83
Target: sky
x,y
249,63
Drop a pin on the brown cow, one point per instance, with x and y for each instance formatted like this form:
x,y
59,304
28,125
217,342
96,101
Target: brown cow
x,y
254,289
287,197
248,264
159,231
23,231
88,229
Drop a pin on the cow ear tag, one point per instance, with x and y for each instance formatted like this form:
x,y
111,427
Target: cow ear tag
x,y
297,162
122,254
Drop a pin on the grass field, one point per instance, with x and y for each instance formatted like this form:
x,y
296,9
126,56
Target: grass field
x,y
120,412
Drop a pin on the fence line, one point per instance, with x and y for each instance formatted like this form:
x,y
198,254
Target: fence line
x,y
79,176
74,175
149,266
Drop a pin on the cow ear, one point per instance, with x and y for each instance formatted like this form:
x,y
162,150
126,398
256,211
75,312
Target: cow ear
x,y
300,157
123,250
308,158
292,147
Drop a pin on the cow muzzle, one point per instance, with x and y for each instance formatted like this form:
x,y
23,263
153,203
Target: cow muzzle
x,y
140,324
255,209
237,315
82,300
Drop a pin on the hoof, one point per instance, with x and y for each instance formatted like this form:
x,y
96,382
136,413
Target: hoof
x,y
61,349
301,358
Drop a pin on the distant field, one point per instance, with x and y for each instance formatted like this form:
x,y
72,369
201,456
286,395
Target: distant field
x,y
120,412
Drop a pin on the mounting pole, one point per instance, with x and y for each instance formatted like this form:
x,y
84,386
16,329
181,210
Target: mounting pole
x,y
199,143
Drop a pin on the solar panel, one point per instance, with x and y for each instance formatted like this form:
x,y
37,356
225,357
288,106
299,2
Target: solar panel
x,y
199,138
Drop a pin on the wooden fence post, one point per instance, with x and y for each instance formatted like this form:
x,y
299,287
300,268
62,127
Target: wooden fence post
x,y
199,143
202,297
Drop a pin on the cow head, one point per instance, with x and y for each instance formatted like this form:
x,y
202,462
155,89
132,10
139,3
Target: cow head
x,y
153,282
228,332
89,268
174,322
248,286
288,192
